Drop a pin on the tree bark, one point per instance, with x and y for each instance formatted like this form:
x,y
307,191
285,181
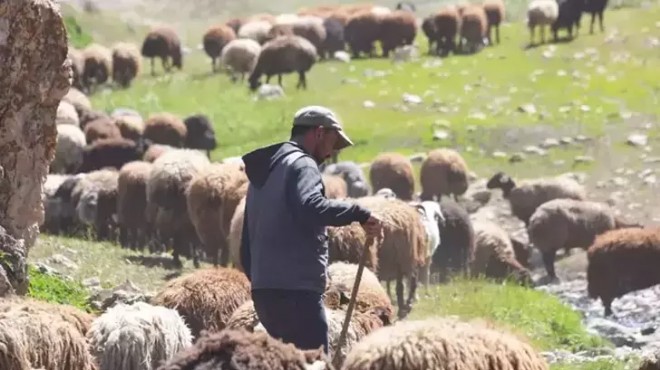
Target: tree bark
x,y
35,75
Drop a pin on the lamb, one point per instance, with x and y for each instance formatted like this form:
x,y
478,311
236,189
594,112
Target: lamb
x,y
541,13
200,133
68,150
570,13
66,114
447,24
443,172
569,223
166,187
474,27
398,28
334,37
432,219
434,343
126,63
240,56
95,197
335,186
97,65
102,128
215,39
394,171
137,337
456,248
282,55
352,175
163,43
132,202
166,128
239,349
212,198
495,12
525,196
255,30
361,32
112,153
205,298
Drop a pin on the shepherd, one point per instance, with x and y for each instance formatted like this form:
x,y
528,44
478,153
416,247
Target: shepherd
x,y
284,248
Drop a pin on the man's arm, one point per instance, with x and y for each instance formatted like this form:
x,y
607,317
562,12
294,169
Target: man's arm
x,y
245,246
308,203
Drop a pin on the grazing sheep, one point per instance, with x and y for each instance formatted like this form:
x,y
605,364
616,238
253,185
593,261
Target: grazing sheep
x,y
200,133
163,43
66,114
166,128
335,186
154,151
65,207
97,65
569,223
130,126
441,342
474,27
205,298
53,207
255,30
430,31
334,37
541,13
353,176
235,235
394,171
282,55
495,12
525,196
240,56
113,153
132,202
398,28
95,197
212,198
102,128
68,150
443,172
447,24
137,337
456,248
240,349
623,261
87,116
215,39
432,219
361,32
595,8
569,16
126,63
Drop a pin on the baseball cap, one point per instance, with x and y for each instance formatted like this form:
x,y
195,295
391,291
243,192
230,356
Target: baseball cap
x,y
315,115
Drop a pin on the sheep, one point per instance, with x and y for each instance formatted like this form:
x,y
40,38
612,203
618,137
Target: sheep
x,y
65,207
240,349
205,298
215,39
166,188
457,242
446,24
68,150
154,151
443,172
126,63
525,196
622,261
255,30
165,128
79,319
102,128
385,193
394,171
112,153
474,27
494,256
66,114
335,186
430,31
53,207
541,13
132,202
361,32
311,28
441,343
235,235
95,199
240,56
200,133
76,58
235,24
212,197
282,55
163,43
97,65
569,223
432,219
137,337
130,126
595,8
87,116
334,37
398,28
79,100
495,12
353,176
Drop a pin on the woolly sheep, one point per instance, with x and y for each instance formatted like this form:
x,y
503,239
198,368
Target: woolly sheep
x,y
446,24
240,56
432,219
65,207
214,41
97,65
163,43
283,55
456,248
130,126
394,171
495,12
79,319
112,153
443,172
435,343
430,31
79,100
96,200
595,8
474,27
312,29
398,28
525,196
352,175
212,198
165,128
66,114
361,32
623,261
87,116
137,337
102,128
68,150
335,186
132,202
205,298
569,223
200,133
154,151
255,30
541,13
235,24
126,63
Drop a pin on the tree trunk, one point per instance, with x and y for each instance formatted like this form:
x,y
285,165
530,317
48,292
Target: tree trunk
x,y
35,75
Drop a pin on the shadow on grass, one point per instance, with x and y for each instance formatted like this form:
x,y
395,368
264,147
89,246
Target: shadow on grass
x,y
165,262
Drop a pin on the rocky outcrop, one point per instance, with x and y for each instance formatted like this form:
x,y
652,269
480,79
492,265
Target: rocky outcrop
x,y
35,76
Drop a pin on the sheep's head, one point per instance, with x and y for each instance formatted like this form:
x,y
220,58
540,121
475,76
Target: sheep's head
x,y
200,133
521,250
502,181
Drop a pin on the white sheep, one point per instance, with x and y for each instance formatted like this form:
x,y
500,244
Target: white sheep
x,y
541,13
67,114
256,30
137,337
240,56
69,149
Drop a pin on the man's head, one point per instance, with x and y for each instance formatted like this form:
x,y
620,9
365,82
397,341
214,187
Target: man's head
x,y
319,131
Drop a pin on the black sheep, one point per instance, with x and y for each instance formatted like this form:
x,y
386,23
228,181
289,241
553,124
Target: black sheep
x,y
200,134
114,152
334,39
595,8
456,243
570,13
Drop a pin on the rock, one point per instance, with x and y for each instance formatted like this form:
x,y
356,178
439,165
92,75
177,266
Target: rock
x,y
91,282
581,138
411,99
499,154
527,108
650,180
638,140
349,81
13,265
618,334
440,135
478,116
583,159
45,269
126,293
516,158
549,143
531,149
270,92
59,259
342,56
566,140
368,104
620,181
417,158
648,331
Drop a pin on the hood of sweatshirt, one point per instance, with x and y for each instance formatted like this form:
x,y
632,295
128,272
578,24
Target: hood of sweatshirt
x,y
260,162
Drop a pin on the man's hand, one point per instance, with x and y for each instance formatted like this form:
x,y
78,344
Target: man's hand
x,y
373,225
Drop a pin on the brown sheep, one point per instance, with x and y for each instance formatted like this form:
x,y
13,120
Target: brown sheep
x,y
235,24
131,204
102,128
474,27
163,43
284,54
126,63
97,66
393,171
165,128
79,319
155,151
447,24
312,29
212,197
205,298
397,28
623,261
214,41
131,127
361,32
443,172
335,186
495,12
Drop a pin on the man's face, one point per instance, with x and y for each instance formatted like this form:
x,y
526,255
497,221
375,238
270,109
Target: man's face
x,y
325,140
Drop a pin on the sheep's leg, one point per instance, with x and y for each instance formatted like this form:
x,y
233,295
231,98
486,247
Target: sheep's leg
x,y
488,36
412,291
549,262
153,67
600,21
593,19
531,35
543,34
607,303
279,79
497,33
123,236
213,65
399,297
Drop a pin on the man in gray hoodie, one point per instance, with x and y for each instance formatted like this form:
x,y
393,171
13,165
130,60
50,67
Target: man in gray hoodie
x,y
284,248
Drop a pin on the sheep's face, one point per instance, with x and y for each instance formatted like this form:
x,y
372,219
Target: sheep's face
x,y
500,180
433,220
87,207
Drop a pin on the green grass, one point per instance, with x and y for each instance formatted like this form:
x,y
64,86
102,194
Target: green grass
x,y
56,290
627,364
78,37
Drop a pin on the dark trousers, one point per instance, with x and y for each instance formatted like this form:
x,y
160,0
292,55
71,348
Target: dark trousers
x,y
293,316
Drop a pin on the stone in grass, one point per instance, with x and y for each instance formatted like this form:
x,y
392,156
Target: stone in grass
x,y
583,159
499,154
550,143
411,99
531,149
368,104
516,158
638,140
527,108
440,135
